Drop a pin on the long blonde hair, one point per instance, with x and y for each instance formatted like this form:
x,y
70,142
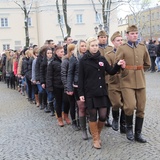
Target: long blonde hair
x,y
77,49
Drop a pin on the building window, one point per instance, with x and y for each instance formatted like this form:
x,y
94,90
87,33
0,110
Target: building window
x,y
29,22
98,17
4,22
6,47
153,29
79,18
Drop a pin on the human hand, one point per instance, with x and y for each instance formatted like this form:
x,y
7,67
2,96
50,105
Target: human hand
x,y
82,98
122,63
43,86
70,93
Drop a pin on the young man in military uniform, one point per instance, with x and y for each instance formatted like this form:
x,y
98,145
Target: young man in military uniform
x,y
104,48
132,82
114,90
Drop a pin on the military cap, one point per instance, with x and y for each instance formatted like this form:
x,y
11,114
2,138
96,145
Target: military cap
x,y
116,34
102,33
132,28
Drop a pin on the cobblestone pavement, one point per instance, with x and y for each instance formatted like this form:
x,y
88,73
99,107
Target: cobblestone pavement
x,y
27,133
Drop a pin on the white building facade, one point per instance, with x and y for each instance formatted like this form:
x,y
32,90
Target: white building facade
x,y
43,22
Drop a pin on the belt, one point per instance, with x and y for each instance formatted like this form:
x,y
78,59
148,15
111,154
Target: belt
x,y
134,67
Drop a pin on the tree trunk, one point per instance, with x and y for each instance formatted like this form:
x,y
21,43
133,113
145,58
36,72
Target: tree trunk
x,y
68,29
26,24
59,18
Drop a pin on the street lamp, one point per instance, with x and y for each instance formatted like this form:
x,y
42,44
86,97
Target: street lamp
x,y
96,29
105,28
100,26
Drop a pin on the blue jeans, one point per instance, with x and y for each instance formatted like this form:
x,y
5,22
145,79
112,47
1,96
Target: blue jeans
x,y
50,97
157,61
40,89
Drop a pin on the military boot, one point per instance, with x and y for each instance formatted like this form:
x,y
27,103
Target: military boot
x,y
138,129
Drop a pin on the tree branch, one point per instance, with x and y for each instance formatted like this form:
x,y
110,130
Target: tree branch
x,y
30,7
19,5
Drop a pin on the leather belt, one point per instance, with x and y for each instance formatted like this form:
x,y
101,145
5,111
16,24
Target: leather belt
x,y
134,67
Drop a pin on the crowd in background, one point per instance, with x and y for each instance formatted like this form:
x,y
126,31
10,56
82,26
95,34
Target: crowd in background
x,y
48,77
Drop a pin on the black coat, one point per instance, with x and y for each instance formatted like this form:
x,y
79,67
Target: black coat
x,y
53,77
73,70
91,81
37,67
43,71
27,67
64,72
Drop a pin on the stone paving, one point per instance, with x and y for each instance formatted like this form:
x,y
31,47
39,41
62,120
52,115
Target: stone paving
x,y
27,133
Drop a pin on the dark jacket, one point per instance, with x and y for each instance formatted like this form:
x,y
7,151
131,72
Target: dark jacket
x,y
91,81
65,49
152,50
64,72
43,71
37,67
53,78
27,67
158,50
72,73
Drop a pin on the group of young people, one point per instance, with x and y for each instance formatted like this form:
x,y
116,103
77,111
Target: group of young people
x,y
85,79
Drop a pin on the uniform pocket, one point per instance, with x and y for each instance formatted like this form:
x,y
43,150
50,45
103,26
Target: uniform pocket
x,y
124,73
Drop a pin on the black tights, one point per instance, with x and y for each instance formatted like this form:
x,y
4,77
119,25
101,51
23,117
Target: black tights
x,y
101,114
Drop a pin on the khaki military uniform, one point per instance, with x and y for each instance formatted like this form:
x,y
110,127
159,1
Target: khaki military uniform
x,y
103,51
114,91
132,78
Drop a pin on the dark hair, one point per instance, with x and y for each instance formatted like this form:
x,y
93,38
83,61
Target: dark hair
x,y
50,40
65,38
34,46
48,48
57,48
42,50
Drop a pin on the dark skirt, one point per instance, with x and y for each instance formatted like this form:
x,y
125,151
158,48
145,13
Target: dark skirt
x,y
97,102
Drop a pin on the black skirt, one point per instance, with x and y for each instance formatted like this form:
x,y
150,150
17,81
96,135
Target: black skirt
x,y
97,102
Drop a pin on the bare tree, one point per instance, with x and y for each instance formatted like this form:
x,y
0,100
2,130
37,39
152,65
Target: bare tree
x,y
68,28
137,7
26,10
59,18
106,11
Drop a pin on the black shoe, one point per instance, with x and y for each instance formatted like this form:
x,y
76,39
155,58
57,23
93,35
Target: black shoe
x,y
82,121
108,123
75,127
129,128
140,139
122,129
41,107
52,113
47,109
138,129
129,134
115,125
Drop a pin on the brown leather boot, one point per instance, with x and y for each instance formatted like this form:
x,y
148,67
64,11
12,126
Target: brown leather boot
x,y
95,135
37,100
66,118
60,122
100,127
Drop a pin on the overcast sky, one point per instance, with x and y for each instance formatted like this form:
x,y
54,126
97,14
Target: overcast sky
x,y
124,9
